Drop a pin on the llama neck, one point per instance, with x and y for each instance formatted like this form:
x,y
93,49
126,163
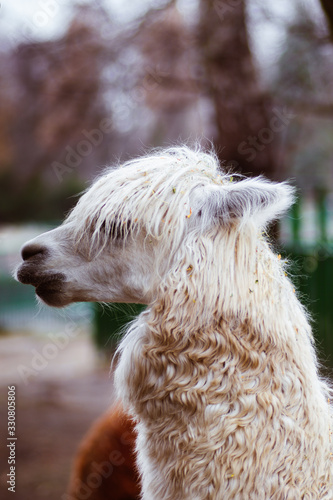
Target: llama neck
x,y
230,276
207,403
221,366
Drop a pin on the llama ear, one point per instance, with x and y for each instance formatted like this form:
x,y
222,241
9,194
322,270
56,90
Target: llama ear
x,y
255,199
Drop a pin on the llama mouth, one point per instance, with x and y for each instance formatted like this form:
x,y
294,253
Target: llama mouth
x,y
49,287
50,293
27,275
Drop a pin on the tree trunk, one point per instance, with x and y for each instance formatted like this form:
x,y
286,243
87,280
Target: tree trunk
x,y
244,137
327,6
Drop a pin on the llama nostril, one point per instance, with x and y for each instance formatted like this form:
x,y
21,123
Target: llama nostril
x,y
32,250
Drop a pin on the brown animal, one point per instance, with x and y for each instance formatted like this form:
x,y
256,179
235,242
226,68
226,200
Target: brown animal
x,y
104,467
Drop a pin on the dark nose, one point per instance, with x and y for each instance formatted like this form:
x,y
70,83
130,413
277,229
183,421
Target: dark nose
x,y
33,250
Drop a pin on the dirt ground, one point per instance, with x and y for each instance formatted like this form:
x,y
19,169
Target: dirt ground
x,y
56,402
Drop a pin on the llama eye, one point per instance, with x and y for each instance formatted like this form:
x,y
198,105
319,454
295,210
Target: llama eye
x,y
120,229
115,231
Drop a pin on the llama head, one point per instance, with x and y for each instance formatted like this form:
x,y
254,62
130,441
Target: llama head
x,y
128,230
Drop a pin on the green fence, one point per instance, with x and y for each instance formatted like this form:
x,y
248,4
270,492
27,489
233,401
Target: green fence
x,y
312,273
110,321
19,311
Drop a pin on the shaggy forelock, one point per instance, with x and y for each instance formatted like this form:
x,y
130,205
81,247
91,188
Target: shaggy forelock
x,y
168,195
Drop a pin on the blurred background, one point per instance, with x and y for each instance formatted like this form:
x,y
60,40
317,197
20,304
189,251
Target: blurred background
x,y
87,84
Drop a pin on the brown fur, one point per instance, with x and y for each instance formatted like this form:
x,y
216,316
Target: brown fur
x,y
104,467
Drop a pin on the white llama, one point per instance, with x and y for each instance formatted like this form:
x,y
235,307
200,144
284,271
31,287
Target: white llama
x,y
219,372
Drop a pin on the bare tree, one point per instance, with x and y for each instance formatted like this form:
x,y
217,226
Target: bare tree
x,y
241,109
60,95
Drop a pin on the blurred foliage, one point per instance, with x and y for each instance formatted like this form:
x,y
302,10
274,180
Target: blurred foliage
x,y
159,79
303,80
37,202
